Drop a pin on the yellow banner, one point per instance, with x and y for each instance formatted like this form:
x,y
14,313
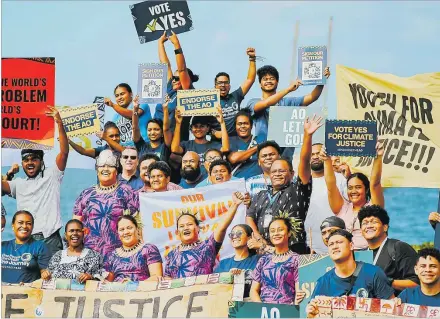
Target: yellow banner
x,y
81,120
407,111
209,300
198,102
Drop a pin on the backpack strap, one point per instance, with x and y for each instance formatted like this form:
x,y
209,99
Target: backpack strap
x,y
359,265
392,249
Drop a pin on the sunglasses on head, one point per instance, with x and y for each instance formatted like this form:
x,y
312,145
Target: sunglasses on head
x,y
133,157
236,234
176,79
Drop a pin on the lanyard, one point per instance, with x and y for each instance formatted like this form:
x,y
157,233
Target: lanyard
x,y
272,198
379,251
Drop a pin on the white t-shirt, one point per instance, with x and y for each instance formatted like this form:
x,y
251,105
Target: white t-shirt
x,y
41,197
319,210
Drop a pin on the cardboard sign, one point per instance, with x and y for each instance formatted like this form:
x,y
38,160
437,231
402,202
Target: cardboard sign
x,y
81,120
312,267
99,100
152,18
152,82
28,87
286,125
240,309
350,138
198,102
312,61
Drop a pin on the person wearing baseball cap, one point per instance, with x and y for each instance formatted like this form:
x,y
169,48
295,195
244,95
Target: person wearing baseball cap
x,y
39,193
329,225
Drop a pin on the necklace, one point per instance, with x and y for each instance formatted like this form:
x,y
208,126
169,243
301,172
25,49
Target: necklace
x,y
105,189
281,257
122,252
184,247
132,248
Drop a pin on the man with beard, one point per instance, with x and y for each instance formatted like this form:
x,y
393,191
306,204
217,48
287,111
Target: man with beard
x,y
190,171
395,257
144,164
230,102
267,153
348,278
268,77
39,192
428,271
243,147
319,206
129,162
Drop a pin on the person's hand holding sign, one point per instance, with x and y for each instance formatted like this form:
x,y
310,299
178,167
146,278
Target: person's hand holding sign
x,y
163,38
54,113
219,115
327,72
108,102
294,85
136,104
379,149
174,39
323,155
312,309
178,117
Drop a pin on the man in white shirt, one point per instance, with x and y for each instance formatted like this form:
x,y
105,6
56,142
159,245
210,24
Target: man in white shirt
x,y
319,208
39,192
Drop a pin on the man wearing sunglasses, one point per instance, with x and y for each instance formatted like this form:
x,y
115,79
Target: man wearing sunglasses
x,y
39,192
129,161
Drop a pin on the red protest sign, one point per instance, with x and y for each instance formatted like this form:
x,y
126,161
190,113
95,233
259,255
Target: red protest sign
x,y
28,87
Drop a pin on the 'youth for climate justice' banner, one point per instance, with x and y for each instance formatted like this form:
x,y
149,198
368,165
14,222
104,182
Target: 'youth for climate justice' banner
x,y
28,87
407,111
160,212
198,102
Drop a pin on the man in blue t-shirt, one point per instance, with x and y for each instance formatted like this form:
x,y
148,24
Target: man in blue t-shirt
x,y
268,77
244,148
370,282
230,102
124,112
428,271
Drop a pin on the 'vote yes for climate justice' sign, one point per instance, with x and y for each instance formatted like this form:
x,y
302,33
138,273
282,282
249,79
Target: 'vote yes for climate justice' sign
x,y
152,18
350,138
286,125
198,102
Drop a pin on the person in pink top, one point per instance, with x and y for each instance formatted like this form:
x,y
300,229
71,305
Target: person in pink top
x,y
361,192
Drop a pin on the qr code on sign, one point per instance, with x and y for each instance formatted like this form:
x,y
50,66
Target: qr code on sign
x,y
312,70
151,88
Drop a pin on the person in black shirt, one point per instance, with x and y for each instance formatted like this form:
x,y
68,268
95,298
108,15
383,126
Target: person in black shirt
x,y
283,196
396,258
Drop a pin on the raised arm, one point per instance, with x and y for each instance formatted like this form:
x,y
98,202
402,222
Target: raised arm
x,y
135,120
220,231
62,156
163,57
185,80
241,156
90,152
113,145
274,99
376,189
252,71
175,144
310,127
334,196
6,189
124,112
224,131
316,93
167,134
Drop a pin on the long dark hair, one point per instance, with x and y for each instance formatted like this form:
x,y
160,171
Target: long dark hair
x,y
364,179
248,230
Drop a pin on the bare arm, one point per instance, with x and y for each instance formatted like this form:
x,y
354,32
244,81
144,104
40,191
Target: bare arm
x,y
252,71
224,130
251,222
274,99
113,145
220,231
175,144
335,199
376,189
241,156
185,80
62,156
90,152
403,284
167,134
5,188
163,57
316,93
156,270
254,293
135,120
310,127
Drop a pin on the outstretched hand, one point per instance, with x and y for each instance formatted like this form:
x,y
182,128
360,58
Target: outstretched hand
x,y
53,112
178,115
379,148
136,104
174,39
108,102
219,115
311,126
163,38
294,85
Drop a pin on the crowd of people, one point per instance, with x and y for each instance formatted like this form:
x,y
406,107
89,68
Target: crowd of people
x,y
322,207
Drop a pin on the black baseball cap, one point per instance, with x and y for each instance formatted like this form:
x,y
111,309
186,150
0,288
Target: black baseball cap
x,y
26,152
333,221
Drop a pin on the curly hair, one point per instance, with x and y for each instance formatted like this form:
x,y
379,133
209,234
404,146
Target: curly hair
x,y
432,252
267,70
374,211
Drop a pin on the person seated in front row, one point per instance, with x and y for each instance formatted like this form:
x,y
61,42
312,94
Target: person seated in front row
x,y
76,261
190,172
200,127
428,271
144,164
245,259
370,282
159,176
24,259
134,260
275,275
194,257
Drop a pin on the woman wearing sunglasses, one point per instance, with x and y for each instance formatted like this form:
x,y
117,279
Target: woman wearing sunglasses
x,y
244,258
182,79
194,257
100,206
275,275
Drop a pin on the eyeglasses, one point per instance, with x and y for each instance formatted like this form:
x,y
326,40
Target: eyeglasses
x,y
133,157
373,222
220,83
176,78
236,234
212,159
